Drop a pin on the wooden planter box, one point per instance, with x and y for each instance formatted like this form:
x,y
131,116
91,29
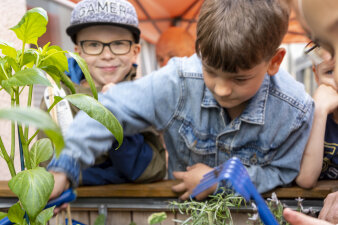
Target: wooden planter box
x,y
123,203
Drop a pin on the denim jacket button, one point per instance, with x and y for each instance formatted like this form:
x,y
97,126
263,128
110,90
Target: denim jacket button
x,y
253,159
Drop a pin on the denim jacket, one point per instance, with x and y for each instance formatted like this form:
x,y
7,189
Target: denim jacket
x,y
269,136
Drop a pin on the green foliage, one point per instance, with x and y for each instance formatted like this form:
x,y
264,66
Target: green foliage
x,y
45,216
16,214
100,220
41,151
24,68
2,215
37,118
98,112
33,187
31,26
215,210
157,218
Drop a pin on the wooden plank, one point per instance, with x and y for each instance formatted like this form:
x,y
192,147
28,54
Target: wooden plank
x,y
162,189
4,190
322,189
82,217
92,217
157,189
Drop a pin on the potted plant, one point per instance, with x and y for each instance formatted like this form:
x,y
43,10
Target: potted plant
x,y
23,68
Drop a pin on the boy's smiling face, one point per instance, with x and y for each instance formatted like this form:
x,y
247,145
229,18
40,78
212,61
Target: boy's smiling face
x,y
233,90
107,67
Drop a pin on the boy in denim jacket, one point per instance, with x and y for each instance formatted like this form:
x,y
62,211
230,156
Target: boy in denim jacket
x,y
229,99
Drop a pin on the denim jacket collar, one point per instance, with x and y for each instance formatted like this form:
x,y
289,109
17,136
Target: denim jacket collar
x,y
254,111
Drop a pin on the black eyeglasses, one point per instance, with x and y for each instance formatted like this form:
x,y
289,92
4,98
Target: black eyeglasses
x,y
118,47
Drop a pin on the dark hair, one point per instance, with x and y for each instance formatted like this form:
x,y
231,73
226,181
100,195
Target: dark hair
x,y
239,34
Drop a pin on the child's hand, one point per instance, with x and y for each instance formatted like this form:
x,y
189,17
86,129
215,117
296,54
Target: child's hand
x,y
191,178
329,211
61,183
107,86
326,96
326,99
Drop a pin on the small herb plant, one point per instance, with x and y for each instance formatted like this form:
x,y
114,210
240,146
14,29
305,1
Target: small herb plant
x,y
23,68
215,210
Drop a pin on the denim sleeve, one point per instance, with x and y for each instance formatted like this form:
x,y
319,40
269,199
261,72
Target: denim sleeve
x,y
286,164
146,102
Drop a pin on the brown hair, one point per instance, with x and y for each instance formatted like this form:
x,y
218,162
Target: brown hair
x,y
239,34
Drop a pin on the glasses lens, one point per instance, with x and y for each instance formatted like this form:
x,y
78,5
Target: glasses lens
x,y
92,47
120,47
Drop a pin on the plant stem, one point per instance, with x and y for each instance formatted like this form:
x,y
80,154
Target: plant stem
x,y
25,148
22,53
29,104
8,160
22,137
12,129
31,138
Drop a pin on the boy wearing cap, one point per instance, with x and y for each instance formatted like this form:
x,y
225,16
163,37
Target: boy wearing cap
x,y
106,35
229,99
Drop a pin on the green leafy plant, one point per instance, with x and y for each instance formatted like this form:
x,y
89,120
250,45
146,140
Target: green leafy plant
x,y
155,218
215,210
23,68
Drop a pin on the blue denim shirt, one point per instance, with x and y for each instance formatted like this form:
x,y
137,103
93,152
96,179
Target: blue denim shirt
x,y
269,136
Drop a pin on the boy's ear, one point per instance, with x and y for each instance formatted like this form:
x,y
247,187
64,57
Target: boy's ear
x,y
276,61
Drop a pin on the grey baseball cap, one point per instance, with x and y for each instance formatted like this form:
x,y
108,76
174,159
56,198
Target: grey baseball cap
x,y
103,12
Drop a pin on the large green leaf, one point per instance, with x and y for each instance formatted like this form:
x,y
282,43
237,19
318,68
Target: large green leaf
x,y
98,112
33,187
8,50
83,65
38,118
31,26
41,151
45,216
25,77
55,56
16,213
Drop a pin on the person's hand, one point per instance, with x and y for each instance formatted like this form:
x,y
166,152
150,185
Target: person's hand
x,y
329,211
61,183
326,98
107,86
190,179
297,218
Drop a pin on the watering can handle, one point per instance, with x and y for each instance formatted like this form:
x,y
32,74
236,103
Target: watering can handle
x,y
67,196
